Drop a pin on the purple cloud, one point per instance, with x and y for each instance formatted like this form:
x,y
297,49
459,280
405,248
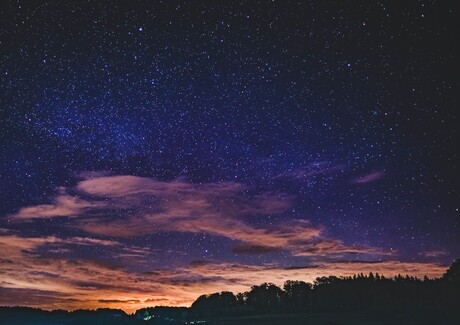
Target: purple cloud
x,y
369,178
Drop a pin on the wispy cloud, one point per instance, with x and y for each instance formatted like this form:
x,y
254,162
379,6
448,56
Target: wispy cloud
x,y
128,206
63,205
369,178
118,301
433,253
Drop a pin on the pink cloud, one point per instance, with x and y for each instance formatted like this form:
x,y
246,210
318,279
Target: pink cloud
x,y
64,205
221,209
369,178
433,254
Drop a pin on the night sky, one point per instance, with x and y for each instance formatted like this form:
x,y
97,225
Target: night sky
x,y
155,151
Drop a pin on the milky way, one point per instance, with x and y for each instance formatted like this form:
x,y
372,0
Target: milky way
x,y
152,152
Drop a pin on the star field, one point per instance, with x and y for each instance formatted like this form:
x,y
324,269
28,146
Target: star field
x,y
217,136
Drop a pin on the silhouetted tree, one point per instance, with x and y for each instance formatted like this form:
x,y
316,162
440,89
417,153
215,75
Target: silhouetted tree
x,y
216,304
453,272
298,295
266,297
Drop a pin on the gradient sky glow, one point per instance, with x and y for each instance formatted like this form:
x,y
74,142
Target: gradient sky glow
x,y
155,151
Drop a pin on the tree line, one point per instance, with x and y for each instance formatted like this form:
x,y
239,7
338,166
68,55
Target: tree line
x,y
371,295
358,293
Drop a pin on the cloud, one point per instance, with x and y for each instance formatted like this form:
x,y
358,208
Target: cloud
x,y
63,205
199,263
368,178
37,279
37,274
13,243
117,301
156,300
33,297
433,254
249,249
130,206
88,241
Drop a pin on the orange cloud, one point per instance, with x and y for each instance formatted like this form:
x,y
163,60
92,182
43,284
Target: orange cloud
x,y
66,283
34,279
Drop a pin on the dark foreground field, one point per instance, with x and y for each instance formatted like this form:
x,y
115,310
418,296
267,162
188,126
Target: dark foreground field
x,y
342,319
346,318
